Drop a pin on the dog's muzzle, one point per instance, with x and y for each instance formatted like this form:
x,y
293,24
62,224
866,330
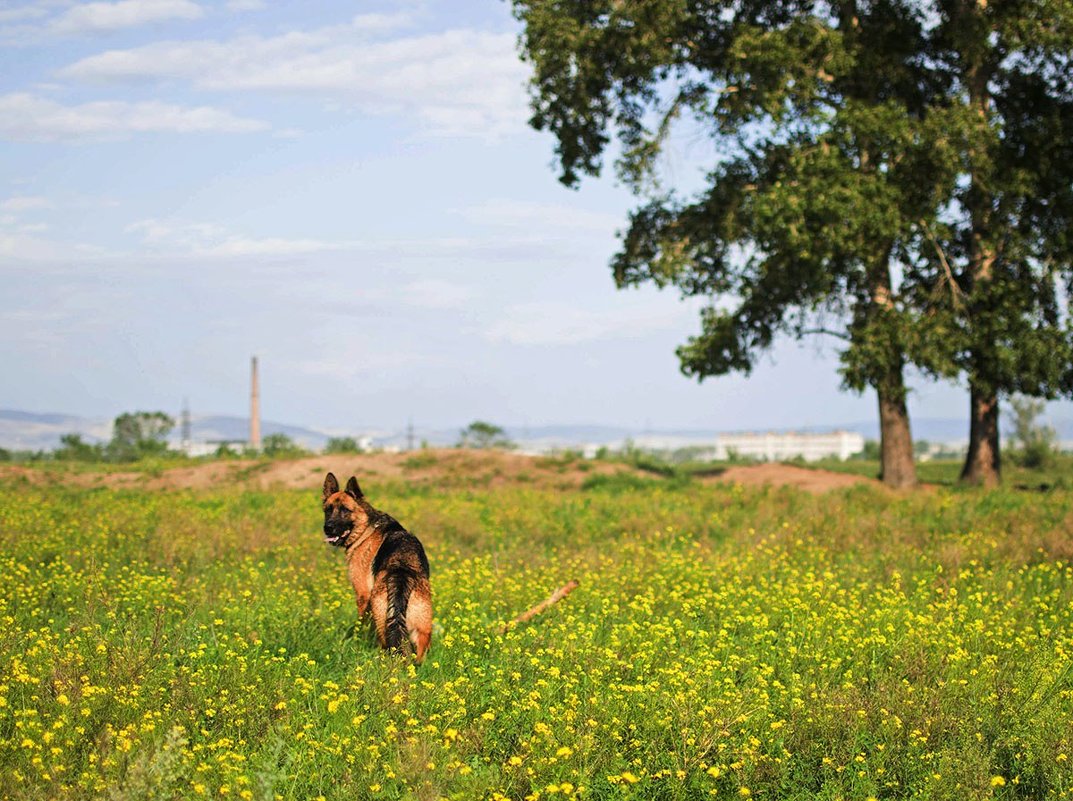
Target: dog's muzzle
x,y
338,539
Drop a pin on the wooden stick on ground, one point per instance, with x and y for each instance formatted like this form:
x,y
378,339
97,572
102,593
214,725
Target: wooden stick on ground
x,y
554,598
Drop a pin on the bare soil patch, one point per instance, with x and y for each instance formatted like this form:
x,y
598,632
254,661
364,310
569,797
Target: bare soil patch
x,y
448,468
788,475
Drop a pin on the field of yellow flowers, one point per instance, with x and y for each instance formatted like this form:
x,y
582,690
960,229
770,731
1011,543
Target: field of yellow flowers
x,y
724,642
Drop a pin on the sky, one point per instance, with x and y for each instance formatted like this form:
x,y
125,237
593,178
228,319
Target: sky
x,y
349,191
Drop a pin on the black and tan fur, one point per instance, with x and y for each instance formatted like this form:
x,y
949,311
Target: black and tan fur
x,y
386,566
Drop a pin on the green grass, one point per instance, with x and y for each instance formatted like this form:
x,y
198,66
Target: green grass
x,y
1058,474
723,641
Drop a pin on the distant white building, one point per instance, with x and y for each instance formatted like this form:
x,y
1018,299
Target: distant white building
x,y
211,447
773,446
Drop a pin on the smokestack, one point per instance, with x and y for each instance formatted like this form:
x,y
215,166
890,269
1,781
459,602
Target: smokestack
x,y
255,407
184,436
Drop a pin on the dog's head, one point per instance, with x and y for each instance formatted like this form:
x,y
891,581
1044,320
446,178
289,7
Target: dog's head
x,y
344,512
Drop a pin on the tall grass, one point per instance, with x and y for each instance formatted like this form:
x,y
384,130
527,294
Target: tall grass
x,y
724,642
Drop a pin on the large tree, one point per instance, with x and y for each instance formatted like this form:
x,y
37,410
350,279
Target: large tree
x,y
139,434
829,168
890,172
1005,68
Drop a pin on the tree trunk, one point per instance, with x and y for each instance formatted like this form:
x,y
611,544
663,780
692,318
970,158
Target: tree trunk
x,y
983,462
897,466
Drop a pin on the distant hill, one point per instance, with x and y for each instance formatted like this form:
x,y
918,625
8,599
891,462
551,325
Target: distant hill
x,y
34,432
20,430
223,427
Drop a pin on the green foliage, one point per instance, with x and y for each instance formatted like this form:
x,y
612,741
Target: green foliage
x,y
618,483
826,169
136,435
734,457
847,138
224,451
342,445
1035,444
157,774
75,449
945,469
481,434
281,446
419,461
863,643
870,451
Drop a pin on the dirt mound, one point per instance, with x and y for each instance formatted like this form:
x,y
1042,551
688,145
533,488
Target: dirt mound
x,y
788,475
434,468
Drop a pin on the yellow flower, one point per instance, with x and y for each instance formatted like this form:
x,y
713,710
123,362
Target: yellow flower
x,y
744,792
998,781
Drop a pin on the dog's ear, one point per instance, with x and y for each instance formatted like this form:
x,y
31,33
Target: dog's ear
x,y
331,486
353,489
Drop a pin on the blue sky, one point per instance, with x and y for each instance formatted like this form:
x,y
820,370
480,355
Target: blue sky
x,y
349,191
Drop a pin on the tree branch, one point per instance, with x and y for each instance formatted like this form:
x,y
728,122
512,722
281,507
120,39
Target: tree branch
x,y
838,334
552,599
955,290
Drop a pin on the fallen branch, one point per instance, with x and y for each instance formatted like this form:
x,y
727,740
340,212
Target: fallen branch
x,y
552,599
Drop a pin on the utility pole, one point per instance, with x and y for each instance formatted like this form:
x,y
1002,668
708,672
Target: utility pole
x,y
255,407
410,434
184,428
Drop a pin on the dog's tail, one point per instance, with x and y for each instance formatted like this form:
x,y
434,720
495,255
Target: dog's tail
x,y
408,622
400,583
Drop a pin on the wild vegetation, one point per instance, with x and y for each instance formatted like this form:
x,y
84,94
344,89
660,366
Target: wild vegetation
x,y
896,175
724,641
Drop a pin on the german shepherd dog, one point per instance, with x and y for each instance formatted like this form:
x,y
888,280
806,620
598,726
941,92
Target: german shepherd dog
x,y
386,566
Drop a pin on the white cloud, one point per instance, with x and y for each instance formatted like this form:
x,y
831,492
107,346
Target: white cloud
x,y
102,17
380,23
27,117
542,217
245,5
435,294
458,82
348,362
562,324
24,203
20,13
206,240
21,245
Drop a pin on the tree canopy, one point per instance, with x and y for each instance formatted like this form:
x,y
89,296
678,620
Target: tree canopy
x,y
847,186
482,434
138,434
